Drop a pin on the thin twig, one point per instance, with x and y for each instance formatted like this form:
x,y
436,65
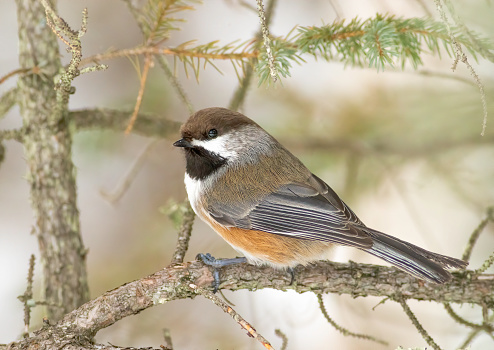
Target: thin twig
x,y
27,297
116,194
460,56
417,324
283,337
17,71
12,134
168,339
460,319
239,319
7,101
241,92
267,41
488,263
184,234
476,233
342,330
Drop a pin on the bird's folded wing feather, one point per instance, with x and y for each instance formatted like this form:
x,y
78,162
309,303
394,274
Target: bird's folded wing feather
x,y
308,210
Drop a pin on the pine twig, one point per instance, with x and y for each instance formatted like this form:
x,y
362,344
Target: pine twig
x,y
342,330
228,309
417,324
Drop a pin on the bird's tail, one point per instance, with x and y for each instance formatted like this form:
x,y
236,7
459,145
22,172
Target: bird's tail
x,y
416,261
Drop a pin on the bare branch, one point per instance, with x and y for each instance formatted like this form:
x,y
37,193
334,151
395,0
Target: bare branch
x,y
123,185
173,283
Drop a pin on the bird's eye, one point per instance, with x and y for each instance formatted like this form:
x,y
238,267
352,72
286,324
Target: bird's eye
x,y
212,133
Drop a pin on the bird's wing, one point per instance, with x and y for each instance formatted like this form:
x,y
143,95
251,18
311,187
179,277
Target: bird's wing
x,y
310,210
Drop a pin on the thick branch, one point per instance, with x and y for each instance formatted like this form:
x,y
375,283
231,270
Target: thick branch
x,y
47,143
146,124
173,283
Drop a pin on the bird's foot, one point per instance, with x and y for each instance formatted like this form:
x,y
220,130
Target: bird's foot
x,y
209,260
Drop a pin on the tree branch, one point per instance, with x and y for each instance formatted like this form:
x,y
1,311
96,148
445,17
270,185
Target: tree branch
x,y
172,283
47,144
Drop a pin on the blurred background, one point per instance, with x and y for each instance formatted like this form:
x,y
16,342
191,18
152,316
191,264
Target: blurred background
x,y
403,149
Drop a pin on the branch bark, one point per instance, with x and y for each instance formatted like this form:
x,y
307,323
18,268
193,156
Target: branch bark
x,y
47,144
171,283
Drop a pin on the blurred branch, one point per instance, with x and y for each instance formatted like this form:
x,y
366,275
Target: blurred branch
x,y
184,234
342,330
124,184
172,283
7,101
460,55
283,337
146,124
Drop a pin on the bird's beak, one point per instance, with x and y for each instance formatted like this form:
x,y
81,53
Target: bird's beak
x,y
183,143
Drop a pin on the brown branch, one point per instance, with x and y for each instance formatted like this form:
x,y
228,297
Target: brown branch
x,y
172,283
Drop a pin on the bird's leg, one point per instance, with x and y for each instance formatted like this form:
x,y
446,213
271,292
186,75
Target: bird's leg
x,y
209,260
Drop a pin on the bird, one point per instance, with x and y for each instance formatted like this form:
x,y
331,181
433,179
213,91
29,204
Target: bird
x,y
263,201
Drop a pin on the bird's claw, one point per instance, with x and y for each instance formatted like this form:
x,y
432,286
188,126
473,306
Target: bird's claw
x,y
210,260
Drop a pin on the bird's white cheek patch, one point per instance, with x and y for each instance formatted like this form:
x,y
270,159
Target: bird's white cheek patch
x,y
218,145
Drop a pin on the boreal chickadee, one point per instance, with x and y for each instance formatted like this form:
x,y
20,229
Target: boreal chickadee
x,y
267,205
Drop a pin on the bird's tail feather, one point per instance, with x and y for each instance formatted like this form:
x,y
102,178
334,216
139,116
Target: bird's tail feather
x,y
416,261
